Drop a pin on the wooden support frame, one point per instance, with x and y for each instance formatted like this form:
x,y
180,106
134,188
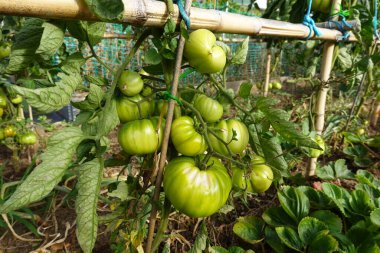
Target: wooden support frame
x,y
154,14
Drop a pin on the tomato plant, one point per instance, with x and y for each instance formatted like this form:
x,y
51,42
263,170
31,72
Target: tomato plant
x,y
202,52
132,108
185,138
141,137
196,192
232,132
210,109
130,83
28,138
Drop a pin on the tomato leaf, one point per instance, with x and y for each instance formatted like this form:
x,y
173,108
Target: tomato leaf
x,y
273,155
58,155
89,179
201,240
245,89
108,119
93,99
107,10
294,202
290,238
309,228
241,53
52,39
152,57
250,229
81,29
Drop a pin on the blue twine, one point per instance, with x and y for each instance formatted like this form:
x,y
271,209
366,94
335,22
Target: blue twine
x,y
374,21
341,25
309,22
183,13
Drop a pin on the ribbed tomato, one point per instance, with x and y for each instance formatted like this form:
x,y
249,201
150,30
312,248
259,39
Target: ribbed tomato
x,y
128,110
185,138
224,130
140,137
195,192
210,109
130,83
321,5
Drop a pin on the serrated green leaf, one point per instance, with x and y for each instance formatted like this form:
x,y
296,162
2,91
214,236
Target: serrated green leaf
x,y
106,10
338,195
277,217
294,202
250,229
152,57
51,40
245,89
333,221
108,119
323,243
100,81
345,244
81,29
57,157
121,191
241,52
309,228
341,170
360,203
290,238
274,241
93,99
89,179
218,249
170,26
183,30
318,199
273,155
200,241
367,178
326,172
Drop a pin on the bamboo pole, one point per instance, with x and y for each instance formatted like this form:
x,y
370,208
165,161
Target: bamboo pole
x,y
267,71
154,14
319,120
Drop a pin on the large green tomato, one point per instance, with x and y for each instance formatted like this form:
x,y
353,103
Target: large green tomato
x,y
195,192
28,138
203,53
185,138
210,109
16,100
140,137
315,153
128,110
258,178
130,83
10,131
225,129
321,5
276,85
3,100
5,50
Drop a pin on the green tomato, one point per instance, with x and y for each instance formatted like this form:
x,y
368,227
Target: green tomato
x,y
128,110
185,138
321,5
210,109
276,85
270,86
147,91
2,135
16,100
130,83
140,137
10,131
3,101
360,131
28,138
5,50
257,179
225,130
1,112
203,53
315,153
195,192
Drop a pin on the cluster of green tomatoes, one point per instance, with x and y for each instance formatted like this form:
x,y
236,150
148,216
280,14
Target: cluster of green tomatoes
x,y
196,184
9,130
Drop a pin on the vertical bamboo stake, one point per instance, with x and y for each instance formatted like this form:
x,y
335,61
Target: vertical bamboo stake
x,y
165,141
267,72
375,114
328,52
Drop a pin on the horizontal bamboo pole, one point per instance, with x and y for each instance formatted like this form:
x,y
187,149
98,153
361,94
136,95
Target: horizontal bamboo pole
x,y
153,14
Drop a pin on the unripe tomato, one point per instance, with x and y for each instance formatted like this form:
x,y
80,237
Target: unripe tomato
x,y
258,178
130,83
185,138
195,192
28,138
270,86
140,137
5,50
203,53
2,135
146,91
16,100
210,109
315,153
1,112
360,131
276,85
10,131
3,101
225,130
128,110
321,5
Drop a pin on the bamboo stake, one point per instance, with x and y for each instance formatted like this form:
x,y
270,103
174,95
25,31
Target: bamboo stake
x,y
327,59
165,141
154,14
375,114
267,72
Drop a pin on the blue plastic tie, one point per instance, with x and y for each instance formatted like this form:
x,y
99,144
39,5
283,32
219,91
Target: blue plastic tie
x,y
374,21
309,22
341,25
183,13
